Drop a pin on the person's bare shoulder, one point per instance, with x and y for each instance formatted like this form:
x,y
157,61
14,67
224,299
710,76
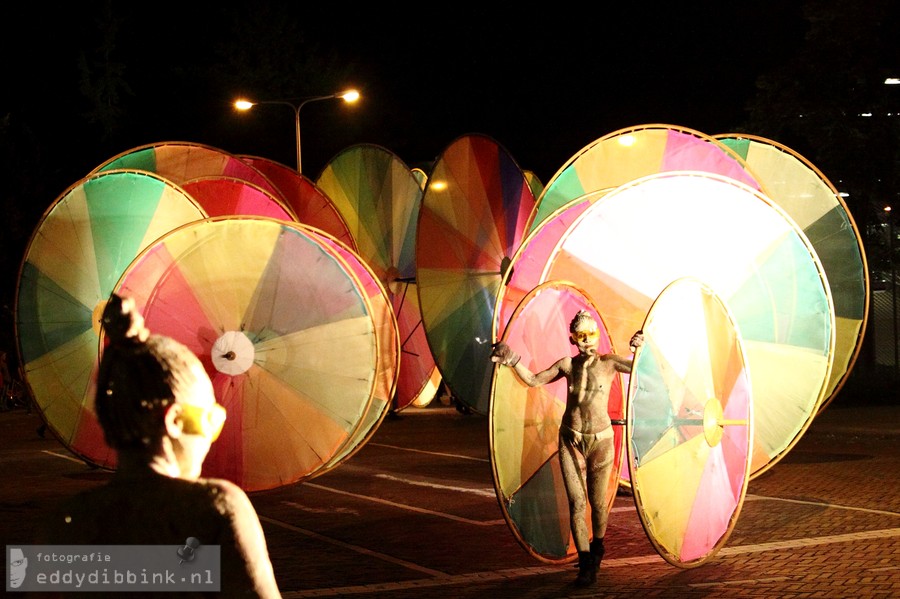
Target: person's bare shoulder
x,y
229,495
249,539
612,359
565,364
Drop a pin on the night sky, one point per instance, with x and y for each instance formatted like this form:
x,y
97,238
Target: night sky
x,y
543,84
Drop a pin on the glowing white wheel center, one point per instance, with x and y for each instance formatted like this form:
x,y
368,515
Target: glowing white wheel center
x,y
233,353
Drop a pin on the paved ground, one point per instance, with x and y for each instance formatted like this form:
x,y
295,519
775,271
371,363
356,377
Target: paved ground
x,y
414,514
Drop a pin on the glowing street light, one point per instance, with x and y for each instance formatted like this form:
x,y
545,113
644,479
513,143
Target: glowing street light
x,y
349,96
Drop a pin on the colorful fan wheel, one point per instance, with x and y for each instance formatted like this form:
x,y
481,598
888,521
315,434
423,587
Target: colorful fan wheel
x,y
471,222
525,421
285,330
689,425
736,240
80,248
379,197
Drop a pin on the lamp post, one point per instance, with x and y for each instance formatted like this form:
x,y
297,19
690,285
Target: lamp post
x,y
348,96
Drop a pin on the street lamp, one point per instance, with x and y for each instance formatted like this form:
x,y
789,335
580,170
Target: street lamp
x,y
348,96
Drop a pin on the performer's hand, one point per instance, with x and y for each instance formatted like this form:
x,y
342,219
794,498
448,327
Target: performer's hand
x,y
504,354
636,340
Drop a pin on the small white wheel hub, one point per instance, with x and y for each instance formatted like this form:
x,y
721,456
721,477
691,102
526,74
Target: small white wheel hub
x,y
233,353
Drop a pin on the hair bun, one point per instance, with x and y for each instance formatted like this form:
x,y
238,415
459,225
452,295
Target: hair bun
x,y
122,322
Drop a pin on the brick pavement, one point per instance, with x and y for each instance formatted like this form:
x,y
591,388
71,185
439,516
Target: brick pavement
x,y
413,514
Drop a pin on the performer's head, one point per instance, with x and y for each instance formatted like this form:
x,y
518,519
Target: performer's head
x,y
583,331
153,393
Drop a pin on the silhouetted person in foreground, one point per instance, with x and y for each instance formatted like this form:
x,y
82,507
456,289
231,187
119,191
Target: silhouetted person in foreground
x,y
585,433
157,409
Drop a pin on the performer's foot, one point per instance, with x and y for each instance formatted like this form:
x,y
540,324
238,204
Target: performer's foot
x,y
587,569
597,551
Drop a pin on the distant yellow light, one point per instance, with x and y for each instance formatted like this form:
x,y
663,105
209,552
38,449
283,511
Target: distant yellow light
x,y
243,104
438,185
627,140
351,95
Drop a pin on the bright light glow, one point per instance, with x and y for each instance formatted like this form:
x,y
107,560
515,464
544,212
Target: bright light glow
x,y
351,95
243,104
866,114
626,140
844,194
438,185
887,208
892,81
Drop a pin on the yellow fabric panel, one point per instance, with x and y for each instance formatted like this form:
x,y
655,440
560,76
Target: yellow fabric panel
x,y
792,184
333,362
66,228
181,163
60,381
175,208
786,372
668,485
616,160
284,433
225,280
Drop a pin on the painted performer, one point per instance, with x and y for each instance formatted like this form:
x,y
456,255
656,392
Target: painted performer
x,y
158,410
585,434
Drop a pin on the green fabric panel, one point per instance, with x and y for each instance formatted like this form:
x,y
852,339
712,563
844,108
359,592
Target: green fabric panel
x,y
758,307
565,188
375,202
144,160
468,363
121,209
534,511
740,146
48,317
651,406
839,251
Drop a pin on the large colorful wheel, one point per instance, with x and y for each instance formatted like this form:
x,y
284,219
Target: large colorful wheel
x,y
689,425
633,153
737,240
227,196
472,221
312,206
524,422
284,329
813,202
182,161
379,197
79,249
